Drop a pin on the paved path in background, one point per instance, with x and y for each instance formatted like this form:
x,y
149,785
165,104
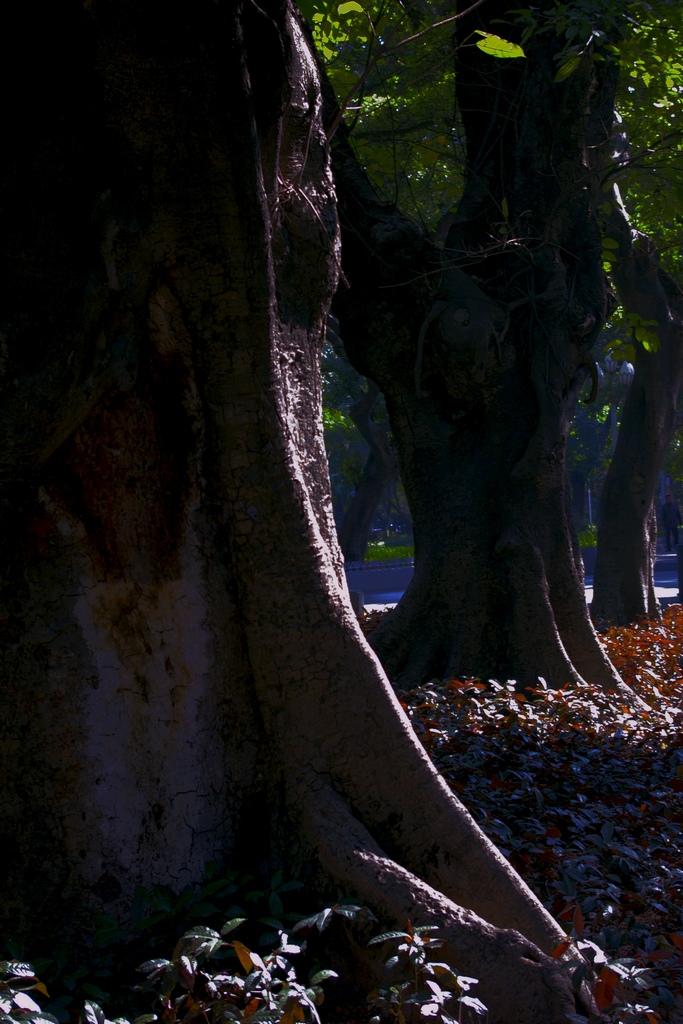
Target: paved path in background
x,y
666,580
666,584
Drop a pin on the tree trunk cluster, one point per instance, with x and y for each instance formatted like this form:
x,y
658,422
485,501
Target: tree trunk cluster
x,y
481,348
183,678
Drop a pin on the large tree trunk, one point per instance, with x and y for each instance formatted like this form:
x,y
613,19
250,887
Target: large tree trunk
x,y
624,565
481,349
183,677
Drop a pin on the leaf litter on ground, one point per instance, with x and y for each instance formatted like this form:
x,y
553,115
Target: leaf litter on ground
x,y
585,797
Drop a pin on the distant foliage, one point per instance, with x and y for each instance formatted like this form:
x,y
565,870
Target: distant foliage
x,y
588,538
378,551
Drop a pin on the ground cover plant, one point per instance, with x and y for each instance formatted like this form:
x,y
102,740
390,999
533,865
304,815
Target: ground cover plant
x,y
378,551
104,966
584,797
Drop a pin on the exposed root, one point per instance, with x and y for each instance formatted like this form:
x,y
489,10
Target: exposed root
x,y
519,983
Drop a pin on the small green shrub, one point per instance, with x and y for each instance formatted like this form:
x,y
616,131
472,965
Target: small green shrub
x,y
424,987
17,980
378,551
207,976
103,967
266,988
588,538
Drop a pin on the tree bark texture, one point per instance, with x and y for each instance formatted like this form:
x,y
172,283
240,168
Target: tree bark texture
x,y
624,566
183,677
481,348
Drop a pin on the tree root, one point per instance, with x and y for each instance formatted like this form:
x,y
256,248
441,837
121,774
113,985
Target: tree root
x,y
519,983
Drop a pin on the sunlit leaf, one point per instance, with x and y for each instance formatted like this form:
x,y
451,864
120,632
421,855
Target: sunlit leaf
x,y
321,976
497,47
474,1004
92,1012
24,1002
18,969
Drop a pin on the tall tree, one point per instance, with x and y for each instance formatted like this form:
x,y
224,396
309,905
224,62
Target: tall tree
x,y
183,677
624,567
481,349
586,448
648,149
379,472
361,457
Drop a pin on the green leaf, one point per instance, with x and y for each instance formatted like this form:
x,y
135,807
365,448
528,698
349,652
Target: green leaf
x,y
153,965
322,976
610,243
275,904
387,936
92,1013
233,923
349,6
567,67
17,969
497,47
205,909
200,931
94,991
474,1004
220,887
648,339
289,886
24,1001
319,921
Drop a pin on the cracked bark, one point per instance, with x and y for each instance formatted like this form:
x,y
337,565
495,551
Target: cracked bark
x,y
181,663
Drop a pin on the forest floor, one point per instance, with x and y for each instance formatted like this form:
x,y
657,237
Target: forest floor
x,y
585,798
580,792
